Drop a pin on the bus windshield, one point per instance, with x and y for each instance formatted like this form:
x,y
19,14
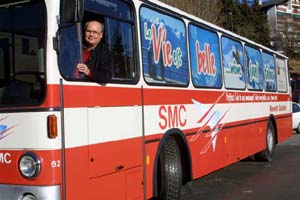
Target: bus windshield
x,y
22,46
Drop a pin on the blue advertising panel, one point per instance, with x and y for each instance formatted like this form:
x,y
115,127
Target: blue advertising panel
x,y
254,68
269,72
205,57
234,72
164,52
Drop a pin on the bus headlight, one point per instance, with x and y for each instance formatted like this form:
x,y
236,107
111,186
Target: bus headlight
x,y
29,165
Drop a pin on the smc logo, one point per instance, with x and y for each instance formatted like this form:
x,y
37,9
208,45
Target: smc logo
x,y
5,158
172,116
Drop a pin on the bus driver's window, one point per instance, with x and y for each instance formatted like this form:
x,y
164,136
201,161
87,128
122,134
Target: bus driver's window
x,y
118,36
117,19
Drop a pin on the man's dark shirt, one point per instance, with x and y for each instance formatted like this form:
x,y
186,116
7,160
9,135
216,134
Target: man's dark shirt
x,y
100,63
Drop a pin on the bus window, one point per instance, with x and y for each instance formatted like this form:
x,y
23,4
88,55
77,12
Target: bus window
x,y
270,83
205,57
281,75
118,36
164,53
69,51
233,64
22,50
120,39
254,68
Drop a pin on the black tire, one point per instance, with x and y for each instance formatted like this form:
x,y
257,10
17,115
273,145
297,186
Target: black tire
x,y
298,129
266,155
169,171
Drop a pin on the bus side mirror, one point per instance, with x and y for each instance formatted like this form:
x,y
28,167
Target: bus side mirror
x,y
72,11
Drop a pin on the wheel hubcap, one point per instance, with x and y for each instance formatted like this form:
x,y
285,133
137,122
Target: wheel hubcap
x,y
270,141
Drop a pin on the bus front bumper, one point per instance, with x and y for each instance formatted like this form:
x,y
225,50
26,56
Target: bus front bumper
x,y
19,192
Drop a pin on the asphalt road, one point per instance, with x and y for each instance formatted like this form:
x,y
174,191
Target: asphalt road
x,y
276,180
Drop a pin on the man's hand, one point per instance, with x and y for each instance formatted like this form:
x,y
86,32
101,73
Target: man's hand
x,y
83,68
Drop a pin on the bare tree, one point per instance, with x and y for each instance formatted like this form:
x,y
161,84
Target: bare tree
x,y
208,10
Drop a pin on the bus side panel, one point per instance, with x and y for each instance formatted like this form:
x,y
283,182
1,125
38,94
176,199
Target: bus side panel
x,y
114,137
204,159
77,186
81,185
151,151
231,145
283,125
104,143
122,185
234,144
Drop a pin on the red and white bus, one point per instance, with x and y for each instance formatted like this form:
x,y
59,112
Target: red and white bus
x,y
186,98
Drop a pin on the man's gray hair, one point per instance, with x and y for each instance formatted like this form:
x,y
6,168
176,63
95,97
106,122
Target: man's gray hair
x,y
101,24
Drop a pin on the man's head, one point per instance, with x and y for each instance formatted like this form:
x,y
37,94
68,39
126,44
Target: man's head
x,y
93,33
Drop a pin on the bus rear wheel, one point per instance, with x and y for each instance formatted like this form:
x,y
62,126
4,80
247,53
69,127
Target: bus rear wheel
x,y
169,171
266,155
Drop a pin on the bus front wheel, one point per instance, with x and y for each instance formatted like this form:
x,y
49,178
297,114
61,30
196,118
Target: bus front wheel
x,y
169,171
266,155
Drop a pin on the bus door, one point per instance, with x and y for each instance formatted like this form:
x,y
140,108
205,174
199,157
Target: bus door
x,y
115,149
110,114
115,126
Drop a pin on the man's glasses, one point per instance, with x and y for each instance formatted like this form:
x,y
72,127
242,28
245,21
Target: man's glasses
x,y
92,32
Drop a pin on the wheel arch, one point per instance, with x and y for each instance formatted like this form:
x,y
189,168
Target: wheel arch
x,y
185,156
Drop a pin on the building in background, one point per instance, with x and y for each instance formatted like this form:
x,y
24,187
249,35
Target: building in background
x,y
284,21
